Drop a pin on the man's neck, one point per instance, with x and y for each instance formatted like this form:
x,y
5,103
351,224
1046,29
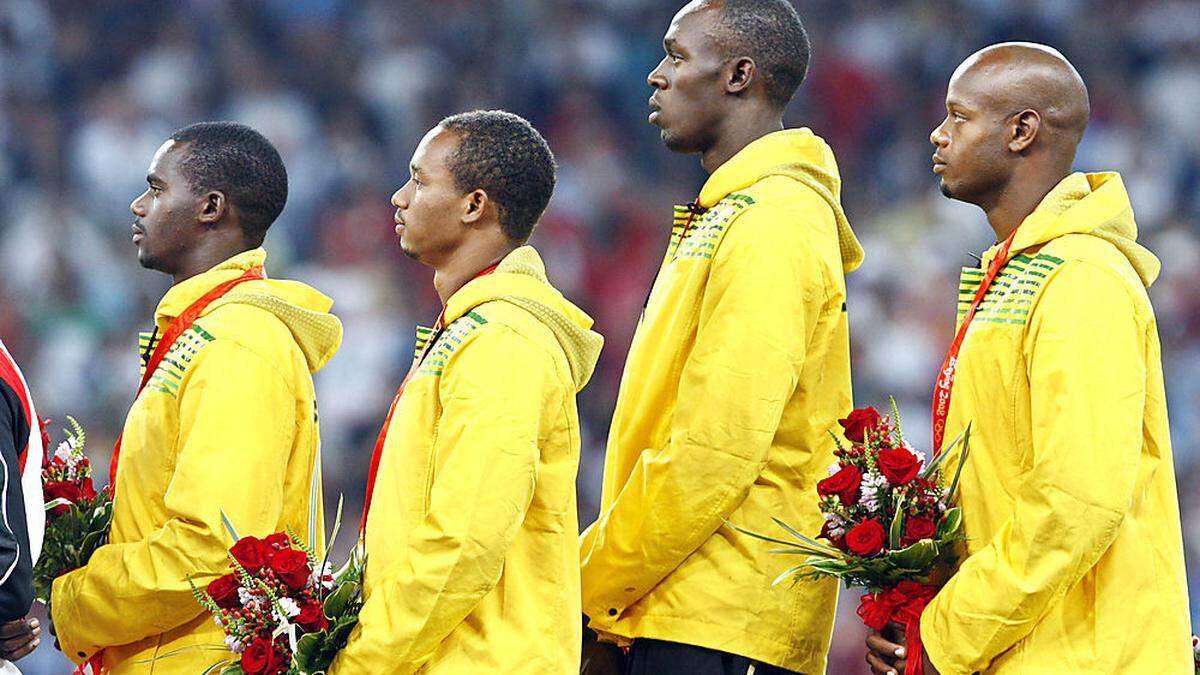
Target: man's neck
x,y
739,132
465,264
1016,201
203,258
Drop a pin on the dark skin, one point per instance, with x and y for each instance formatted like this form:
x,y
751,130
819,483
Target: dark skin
x,y
457,234
19,638
706,101
1015,113
181,232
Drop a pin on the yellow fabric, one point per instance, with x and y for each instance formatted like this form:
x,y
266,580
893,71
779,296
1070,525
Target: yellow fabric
x,y
472,537
1075,556
228,421
739,368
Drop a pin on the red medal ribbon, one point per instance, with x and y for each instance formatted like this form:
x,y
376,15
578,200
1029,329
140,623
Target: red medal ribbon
x,y
176,328
945,379
377,453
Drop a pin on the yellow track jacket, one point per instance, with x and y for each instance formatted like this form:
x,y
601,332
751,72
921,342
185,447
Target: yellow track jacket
x,y
228,421
472,537
1075,556
739,368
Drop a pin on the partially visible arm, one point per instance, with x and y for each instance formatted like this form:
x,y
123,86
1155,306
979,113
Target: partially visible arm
x,y
16,564
487,447
1086,441
759,309
237,419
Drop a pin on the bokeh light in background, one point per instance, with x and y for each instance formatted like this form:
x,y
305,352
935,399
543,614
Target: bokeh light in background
x,y
346,89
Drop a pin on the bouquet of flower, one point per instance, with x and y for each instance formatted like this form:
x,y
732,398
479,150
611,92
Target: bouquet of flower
x,y
890,526
1196,652
77,516
284,610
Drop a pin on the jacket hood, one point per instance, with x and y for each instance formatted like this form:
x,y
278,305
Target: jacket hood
x,y
520,279
302,308
1087,203
798,154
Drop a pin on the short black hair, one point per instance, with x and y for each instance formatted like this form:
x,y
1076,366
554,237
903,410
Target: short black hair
x,y
502,154
240,162
771,33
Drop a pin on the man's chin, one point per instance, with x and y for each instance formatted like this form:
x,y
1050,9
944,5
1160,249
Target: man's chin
x,y
408,251
676,143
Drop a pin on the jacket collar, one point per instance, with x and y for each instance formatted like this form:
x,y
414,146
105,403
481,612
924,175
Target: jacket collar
x,y
755,160
184,293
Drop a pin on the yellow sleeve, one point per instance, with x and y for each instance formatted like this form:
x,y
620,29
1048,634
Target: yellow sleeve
x,y
1086,445
237,419
493,396
758,312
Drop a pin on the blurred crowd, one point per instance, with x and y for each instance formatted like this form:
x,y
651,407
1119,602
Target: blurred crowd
x,y
88,90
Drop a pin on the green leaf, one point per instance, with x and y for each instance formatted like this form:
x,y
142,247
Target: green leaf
x,y
336,603
789,572
800,545
313,491
951,521
916,557
962,458
896,419
896,531
808,540
936,462
229,526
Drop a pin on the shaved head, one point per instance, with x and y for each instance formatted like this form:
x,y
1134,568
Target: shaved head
x,y
1015,113
1028,76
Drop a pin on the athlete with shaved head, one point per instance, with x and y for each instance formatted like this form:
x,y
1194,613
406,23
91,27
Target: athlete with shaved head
x,y
1074,555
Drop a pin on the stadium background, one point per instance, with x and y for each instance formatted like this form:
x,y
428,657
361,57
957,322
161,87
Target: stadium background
x,y
345,90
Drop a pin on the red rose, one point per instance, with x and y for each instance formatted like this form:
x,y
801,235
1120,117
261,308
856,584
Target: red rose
x,y
87,490
251,553
858,421
291,566
898,465
61,490
224,591
260,658
312,617
873,612
844,484
866,538
839,542
278,540
916,529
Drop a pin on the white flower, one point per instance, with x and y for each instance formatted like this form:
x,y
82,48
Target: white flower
x,y
63,451
872,483
920,455
869,498
246,597
837,524
876,480
834,468
234,644
322,576
289,606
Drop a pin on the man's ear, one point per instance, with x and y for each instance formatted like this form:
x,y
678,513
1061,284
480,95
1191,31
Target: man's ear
x,y
213,206
739,74
475,203
1023,130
